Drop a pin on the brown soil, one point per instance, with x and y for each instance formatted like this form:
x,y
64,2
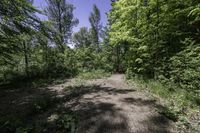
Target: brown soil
x,y
102,106
117,108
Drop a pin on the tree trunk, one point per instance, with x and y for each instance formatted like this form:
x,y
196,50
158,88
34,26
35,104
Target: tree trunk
x,y
118,58
26,58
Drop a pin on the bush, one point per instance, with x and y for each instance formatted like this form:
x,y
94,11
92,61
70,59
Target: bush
x,y
94,74
179,103
67,123
185,68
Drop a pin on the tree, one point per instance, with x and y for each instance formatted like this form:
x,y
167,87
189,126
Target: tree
x,y
82,38
60,13
23,22
152,33
94,19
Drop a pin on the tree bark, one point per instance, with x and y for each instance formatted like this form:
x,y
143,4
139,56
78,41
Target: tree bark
x,y
26,58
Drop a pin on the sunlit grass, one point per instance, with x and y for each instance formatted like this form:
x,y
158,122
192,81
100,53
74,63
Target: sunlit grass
x,y
94,74
179,104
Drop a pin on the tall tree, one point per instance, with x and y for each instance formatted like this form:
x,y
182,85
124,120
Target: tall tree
x,y
94,19
60,13
16,18
82,37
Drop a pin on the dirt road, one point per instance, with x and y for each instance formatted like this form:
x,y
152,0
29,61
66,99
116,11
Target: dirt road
x,y
102,106
111,106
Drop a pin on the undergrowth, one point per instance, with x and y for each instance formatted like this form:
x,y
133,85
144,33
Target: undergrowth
x,y
65,123
94,74
180,104
37,105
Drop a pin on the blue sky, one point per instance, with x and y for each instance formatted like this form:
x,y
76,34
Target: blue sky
x,y
82,11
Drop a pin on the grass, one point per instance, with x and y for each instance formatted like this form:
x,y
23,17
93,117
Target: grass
x,y
66,122
33,83
95,74
180,104
39,104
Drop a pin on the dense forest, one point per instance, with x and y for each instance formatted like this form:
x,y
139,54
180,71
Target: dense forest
x,y
155,43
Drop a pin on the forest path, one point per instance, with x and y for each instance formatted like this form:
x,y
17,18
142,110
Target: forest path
x,y
111,106
106,105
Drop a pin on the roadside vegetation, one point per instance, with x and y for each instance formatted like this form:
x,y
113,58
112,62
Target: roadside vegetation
x,y
179,105
96,74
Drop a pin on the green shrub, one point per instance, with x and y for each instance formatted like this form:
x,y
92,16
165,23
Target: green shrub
x,y
95,74
185,68
171,113
67,122
179,103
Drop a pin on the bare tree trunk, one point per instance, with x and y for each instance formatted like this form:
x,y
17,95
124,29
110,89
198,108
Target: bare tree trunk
x,y
118,58
26,58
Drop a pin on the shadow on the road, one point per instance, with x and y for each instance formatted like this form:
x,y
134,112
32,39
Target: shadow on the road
x,y
94,116
82,90
156,124
101,118
139,101
104,117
